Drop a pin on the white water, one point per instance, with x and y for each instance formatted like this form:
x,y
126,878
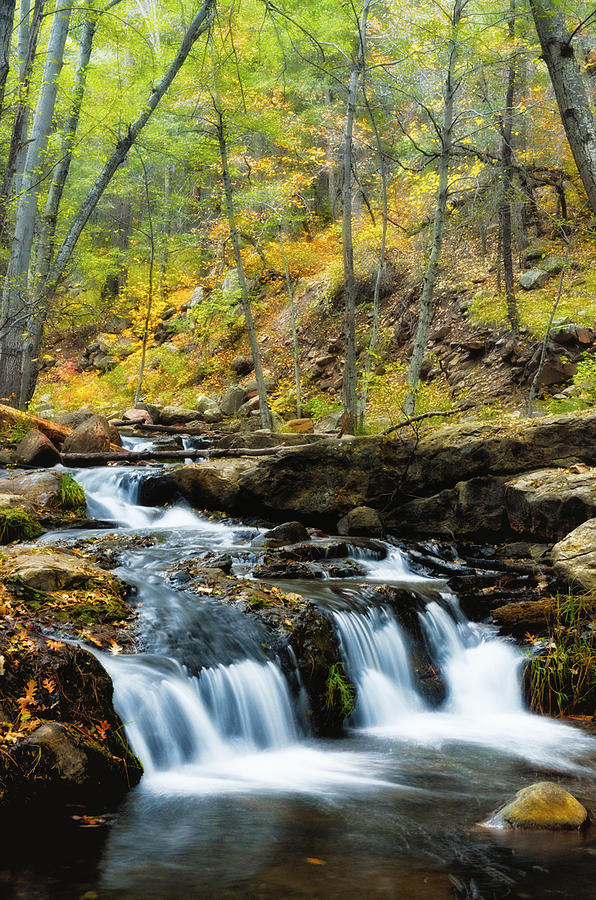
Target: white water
x,y
234,728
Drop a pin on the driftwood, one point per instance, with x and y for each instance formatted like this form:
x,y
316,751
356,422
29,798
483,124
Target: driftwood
x,y
52,430
166,429
82,460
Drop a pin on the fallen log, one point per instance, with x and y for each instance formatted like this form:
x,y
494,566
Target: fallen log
x,y
166,429
52,430
82,460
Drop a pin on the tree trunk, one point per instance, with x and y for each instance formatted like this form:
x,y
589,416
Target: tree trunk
x,y
15,297
12,333
507,180
295,347
266,420
150,294
570,91
432,266
350,396
6,20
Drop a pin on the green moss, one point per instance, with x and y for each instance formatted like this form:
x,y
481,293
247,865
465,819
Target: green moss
x,y
17,524
72,495
340,693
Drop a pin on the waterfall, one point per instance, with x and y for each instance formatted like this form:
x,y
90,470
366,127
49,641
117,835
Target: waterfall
x,y
376,656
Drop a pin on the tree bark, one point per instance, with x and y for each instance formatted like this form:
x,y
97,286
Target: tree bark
x,y
295,346
96,459
266,420
507,180
350,396
432,266
6,22
570,91
15,297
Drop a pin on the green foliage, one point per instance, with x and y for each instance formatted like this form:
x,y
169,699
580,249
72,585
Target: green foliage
x,y
339,691
16,432
318,407
72,495
563,676
18,524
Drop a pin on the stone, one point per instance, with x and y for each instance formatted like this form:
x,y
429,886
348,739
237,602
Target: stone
x,y
252,387
288,533
330,423
204,404
550,503
93,435
556,371
242,365
137,417
37,450
212,485
300,426
526,616
168,312
104,362
574,557
322,362
362,521
232,400
198,295
533,279
531,254
151,408
50,570
115,324
544,805
174,415
38,488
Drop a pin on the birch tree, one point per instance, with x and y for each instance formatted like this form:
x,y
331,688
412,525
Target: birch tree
x,y
450,88
6,20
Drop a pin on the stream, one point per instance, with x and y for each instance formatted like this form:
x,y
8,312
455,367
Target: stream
x,y
239,800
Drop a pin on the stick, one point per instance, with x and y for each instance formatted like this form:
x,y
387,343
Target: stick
x,y
422,416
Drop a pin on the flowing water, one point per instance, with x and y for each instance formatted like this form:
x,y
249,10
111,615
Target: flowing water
x,y
238,799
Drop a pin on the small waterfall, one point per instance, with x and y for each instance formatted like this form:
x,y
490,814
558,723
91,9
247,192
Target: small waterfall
x,y
375,651
173,720
481,670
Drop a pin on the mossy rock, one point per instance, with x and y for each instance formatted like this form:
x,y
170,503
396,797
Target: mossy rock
x,y
18,524
544,805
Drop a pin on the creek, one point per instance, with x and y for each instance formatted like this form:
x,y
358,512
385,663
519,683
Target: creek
x,y
239,800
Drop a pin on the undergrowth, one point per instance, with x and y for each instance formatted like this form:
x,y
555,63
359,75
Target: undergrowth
x,y
339,691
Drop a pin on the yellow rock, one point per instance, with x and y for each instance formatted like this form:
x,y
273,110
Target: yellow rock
x,y
544,805
300,426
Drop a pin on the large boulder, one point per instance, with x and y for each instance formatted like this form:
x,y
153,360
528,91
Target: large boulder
x,y
213,485
543,805
575,556
137,417
299,426
362,521
42,489
474,507
175,415
242,365
40,569
232,400
37,450
287,533
550,503
533,279
93,435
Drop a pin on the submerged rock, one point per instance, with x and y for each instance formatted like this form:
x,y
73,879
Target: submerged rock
x,y
543,805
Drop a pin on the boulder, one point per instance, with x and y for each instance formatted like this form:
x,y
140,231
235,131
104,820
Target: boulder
x,y
474,507
205,404
232,400
330,423
37,488
288,533
93,435
37,450
300,426
51,570
138,417
151,408
212,485
575,556
104,362
550,503
532,279
533,616
543,805
115,324
556,370
362,521
198,295
242,365
174,415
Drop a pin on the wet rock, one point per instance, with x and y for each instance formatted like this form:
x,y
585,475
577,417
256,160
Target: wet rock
x,y
474,507
93,435
544,805
212,485
232,400
208,409
526,616
39,488
550,502
574,557
533,279
37,450
288,533
157,490
17,521
362,521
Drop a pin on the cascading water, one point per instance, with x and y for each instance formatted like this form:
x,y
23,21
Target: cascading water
x,y
375,651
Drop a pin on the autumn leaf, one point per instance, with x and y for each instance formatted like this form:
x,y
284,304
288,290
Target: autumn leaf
x,y
54,645
49,685
28,699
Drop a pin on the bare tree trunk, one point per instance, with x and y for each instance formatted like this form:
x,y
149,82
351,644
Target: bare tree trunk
x,y
432,266
331,170
167,232
507,181
295,347
6,20
570,91
15,297
28,34
12,327
150,294
350,396
376,296
266,420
